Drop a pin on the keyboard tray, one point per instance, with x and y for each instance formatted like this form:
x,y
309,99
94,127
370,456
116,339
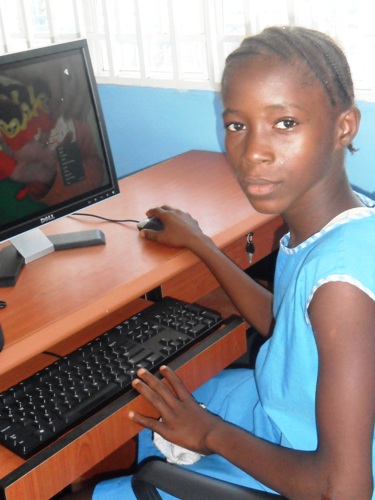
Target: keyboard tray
x,y
39,409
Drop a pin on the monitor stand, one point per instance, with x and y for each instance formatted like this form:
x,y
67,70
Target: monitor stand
x,y
35,244
11,264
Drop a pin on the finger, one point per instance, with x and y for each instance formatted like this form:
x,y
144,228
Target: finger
x,y
151,396
150,423
150,212
155,391
176,383
157,211
154,383
149,234
170,392
154,212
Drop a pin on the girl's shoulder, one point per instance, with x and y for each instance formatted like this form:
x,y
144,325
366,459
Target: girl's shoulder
x,y
352,227
366,200
345,252
342,250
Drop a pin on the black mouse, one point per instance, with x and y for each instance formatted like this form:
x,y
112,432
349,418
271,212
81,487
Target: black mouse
x,y
151,223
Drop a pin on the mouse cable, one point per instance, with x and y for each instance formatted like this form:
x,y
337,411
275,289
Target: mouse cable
x,y
104,218
49,353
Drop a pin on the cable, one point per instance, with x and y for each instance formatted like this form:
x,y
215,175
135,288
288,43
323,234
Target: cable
x,y
104,218
49,353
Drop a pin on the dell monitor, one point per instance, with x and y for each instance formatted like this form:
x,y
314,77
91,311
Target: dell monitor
x,y
55,155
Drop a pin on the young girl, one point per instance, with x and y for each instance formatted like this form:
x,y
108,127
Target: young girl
x,y
302,425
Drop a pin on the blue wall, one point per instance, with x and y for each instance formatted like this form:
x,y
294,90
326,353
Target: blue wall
x,y
149,125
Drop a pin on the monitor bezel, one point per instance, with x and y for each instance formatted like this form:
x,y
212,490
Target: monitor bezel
x,y
50,214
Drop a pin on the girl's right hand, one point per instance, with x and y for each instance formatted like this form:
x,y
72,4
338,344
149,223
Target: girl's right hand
x,y
180,229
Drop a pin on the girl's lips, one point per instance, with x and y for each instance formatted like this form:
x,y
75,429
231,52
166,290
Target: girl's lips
x,y
260,187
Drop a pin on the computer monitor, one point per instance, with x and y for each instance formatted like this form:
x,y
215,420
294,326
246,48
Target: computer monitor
x,y
55,156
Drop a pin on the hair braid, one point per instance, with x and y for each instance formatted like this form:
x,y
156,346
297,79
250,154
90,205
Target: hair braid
x,y
335,64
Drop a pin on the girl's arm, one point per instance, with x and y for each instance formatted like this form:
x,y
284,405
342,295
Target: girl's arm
x,y
253,301
343,319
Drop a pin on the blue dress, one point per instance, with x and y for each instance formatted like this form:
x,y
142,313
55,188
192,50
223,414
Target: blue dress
x,y
277,402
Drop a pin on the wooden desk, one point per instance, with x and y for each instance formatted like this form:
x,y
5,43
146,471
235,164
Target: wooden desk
x,y
67,298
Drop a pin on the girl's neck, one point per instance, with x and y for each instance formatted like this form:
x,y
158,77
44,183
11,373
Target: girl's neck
x,y
305,221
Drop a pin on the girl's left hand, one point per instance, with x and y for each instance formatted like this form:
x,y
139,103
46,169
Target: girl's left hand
x,y
183,421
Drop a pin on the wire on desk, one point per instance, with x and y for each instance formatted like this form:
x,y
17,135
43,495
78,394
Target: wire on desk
x,y
49,353
104,218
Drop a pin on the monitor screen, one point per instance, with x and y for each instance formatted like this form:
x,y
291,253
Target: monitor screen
x,y
55,156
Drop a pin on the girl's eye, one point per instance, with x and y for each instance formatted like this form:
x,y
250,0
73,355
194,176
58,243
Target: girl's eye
x,y
235,127
286,124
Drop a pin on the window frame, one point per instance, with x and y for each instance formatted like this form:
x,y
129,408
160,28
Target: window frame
x,y
348,21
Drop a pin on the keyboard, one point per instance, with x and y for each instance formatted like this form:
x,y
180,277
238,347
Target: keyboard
x,y
36,411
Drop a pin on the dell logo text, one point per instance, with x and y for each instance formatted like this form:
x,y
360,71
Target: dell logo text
x,y
47,218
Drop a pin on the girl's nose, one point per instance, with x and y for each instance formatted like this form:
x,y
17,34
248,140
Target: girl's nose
x,y
257,149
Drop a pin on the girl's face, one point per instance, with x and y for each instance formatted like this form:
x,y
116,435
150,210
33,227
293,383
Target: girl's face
x,y
280,135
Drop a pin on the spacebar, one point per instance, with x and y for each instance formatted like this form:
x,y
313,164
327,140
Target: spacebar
x,y
85,407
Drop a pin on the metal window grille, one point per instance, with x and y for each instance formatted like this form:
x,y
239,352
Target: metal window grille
x,y
178,44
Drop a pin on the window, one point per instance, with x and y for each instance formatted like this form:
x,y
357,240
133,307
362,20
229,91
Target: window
x,y
179,44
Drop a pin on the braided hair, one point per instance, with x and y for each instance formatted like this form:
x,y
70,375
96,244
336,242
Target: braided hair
x,y
314,50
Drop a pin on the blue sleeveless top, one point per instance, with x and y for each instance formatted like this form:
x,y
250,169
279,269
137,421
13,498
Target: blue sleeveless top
x,y
287,364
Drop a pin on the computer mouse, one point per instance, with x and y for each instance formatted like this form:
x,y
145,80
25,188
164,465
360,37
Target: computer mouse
x,y
151,223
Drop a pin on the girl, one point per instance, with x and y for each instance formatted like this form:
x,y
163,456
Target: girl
x,y
303,424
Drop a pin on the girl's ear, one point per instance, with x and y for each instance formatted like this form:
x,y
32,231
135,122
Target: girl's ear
x,y
348,125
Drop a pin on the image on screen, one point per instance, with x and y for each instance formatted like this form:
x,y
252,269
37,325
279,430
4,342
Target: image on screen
x,y
55,155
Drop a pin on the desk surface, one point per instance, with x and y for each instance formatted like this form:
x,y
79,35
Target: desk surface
x,y
67,291
67,298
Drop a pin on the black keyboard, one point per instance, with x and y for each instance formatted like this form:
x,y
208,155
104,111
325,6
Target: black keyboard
x,y
39,409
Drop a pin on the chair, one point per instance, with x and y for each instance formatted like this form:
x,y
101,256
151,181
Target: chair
x,y
188,485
